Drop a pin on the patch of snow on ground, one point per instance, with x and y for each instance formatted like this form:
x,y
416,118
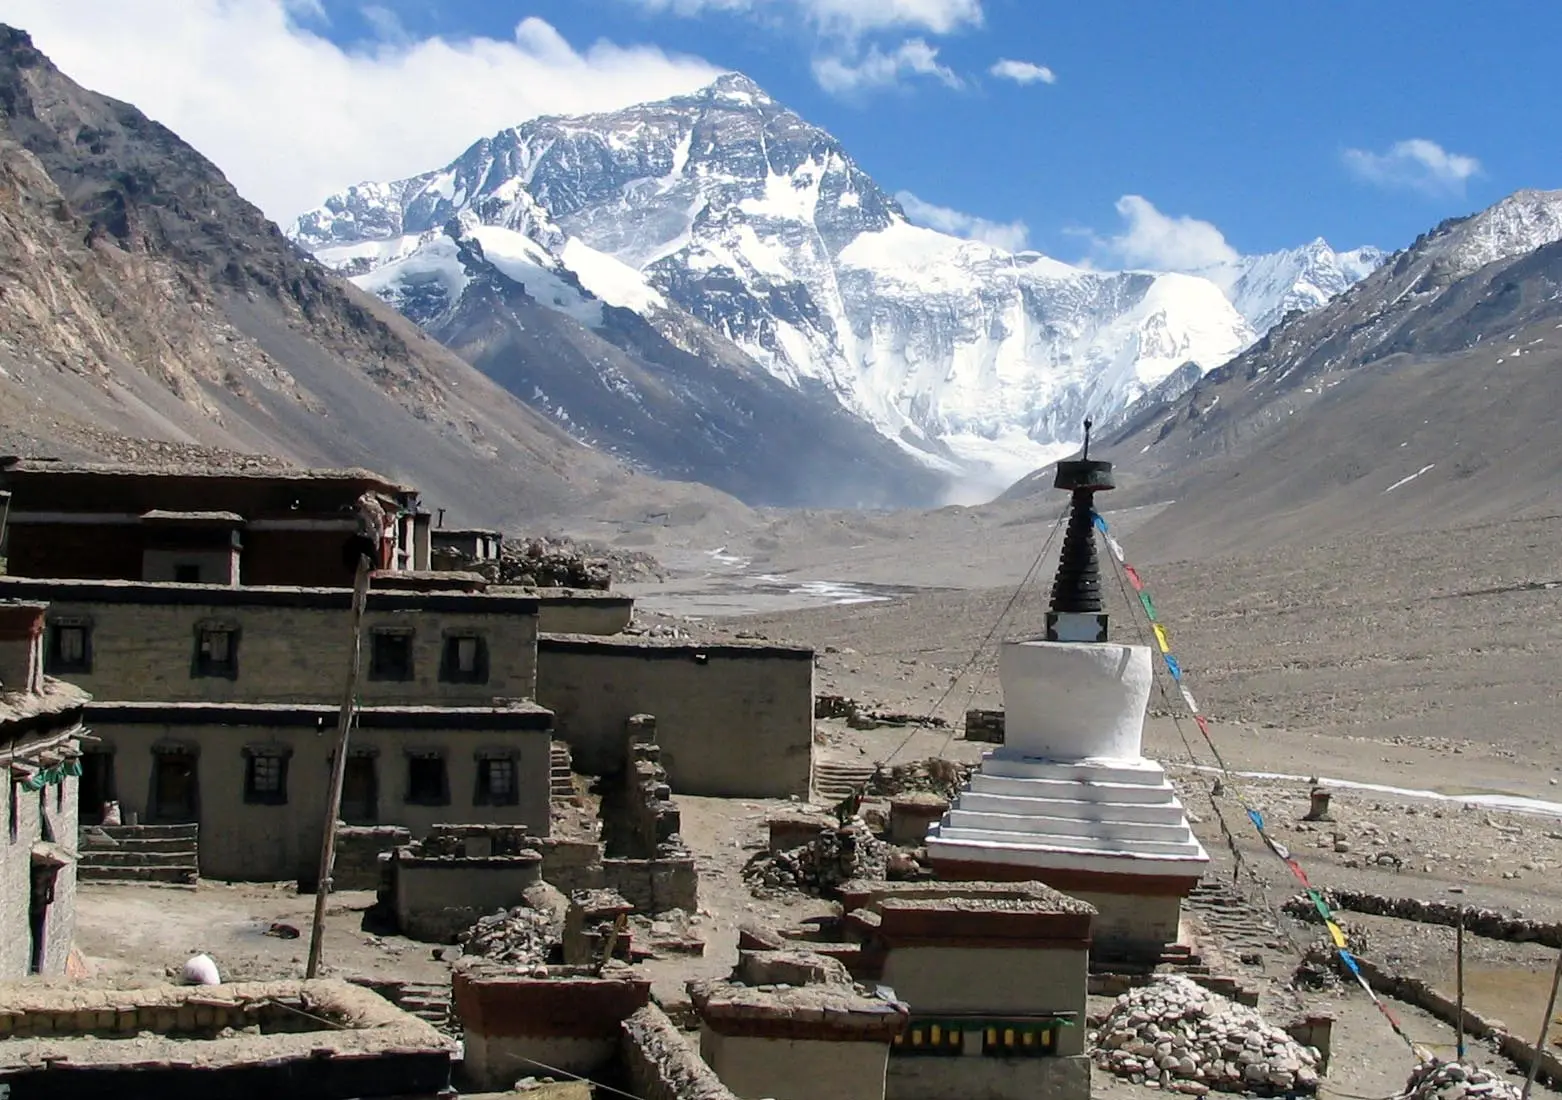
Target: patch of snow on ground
x,y
1412,477
611,280
528,263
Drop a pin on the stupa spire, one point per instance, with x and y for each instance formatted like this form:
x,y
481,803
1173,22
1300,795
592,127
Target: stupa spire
x,y
1077,614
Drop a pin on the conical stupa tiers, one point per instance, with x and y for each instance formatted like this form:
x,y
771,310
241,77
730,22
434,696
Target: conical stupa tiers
x,y
1069,800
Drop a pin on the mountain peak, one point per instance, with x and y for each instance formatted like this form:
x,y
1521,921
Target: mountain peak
x,y
734,87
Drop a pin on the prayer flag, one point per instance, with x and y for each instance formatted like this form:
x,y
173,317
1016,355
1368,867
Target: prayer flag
x,y
1187,697
1161,639
1173,667
1133,579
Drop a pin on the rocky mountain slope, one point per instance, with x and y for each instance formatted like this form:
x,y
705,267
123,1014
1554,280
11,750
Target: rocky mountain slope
x,y
145,299
726,208
1427,391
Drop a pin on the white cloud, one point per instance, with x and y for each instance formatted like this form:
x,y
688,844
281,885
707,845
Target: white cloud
x,y
1417,164
847,17
846,73
1158,242
291,117
1023,72
1009,236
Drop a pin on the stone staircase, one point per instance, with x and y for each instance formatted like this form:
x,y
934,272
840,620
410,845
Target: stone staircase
x,y
561,771
429,1001
835,779
165,854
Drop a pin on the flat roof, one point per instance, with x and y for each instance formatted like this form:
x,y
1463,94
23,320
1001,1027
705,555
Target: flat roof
x,y
646,645
57,698
34,466
520,716
160,593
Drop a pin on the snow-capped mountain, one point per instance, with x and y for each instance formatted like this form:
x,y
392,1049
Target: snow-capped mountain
x,y
725,208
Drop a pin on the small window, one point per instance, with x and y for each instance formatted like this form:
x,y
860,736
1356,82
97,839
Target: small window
x,y
390,655
426,780
217,652
465,659
69,647
496,784
187,574
265,778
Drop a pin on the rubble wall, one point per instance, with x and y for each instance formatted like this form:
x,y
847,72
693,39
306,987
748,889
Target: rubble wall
x,y
438,898
660,1063
732,720
654,885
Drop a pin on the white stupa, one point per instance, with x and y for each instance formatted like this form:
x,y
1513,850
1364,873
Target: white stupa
x,y
1070,800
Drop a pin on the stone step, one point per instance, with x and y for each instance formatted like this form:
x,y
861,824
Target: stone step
x,y
1070,791
1141,772
103,857
92,841
184,876
1093,845
187,831
1141,813
1105,826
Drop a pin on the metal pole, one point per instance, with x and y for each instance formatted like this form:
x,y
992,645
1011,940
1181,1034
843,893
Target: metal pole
x,y
1459,986
333,802
1545,1030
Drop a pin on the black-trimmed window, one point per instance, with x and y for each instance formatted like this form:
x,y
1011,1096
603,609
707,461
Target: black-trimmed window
x,y
68,646
428,780
265,777
187,573
497,780
390,654
216,651
464,659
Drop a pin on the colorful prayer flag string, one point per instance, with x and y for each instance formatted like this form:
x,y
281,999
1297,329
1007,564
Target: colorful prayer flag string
x,y
1174,669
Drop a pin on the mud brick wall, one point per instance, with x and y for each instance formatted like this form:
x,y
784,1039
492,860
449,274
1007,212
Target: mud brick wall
x,y
733,720
292,643
660,1063
645,797
654,885
358,849
984,725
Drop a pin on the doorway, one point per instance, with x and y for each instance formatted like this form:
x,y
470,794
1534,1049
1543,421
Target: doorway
x,y
42,897
96,786
175,790
360,791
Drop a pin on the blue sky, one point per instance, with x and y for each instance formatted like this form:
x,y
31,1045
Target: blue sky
x,y
1274,123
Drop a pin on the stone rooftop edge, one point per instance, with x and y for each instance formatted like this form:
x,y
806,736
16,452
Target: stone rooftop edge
x,y
655,646
157,593
518,716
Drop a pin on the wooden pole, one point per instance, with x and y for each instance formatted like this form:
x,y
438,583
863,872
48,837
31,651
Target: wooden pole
x,y
1545,1030
333,802
1459,986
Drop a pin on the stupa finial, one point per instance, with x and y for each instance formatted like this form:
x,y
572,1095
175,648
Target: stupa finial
x,y
1077,613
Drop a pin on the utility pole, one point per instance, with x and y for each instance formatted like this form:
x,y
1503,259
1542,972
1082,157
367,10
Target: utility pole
x,y
1545,1030
333,802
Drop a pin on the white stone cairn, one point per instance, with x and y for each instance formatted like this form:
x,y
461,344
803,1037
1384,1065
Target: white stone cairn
x,y
1070,790
1440,1080
1185,1038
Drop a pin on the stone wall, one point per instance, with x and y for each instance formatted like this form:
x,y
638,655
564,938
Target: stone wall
x,y
920,1078
733,720
661,1065
581,611
293,644
984,725
38,816
245,839
1016,981
654,885
815,1070
358,849
437,897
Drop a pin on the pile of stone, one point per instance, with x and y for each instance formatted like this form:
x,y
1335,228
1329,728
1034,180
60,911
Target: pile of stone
x,y
1490,923
833,857
1321,966
521,936
1440,1080
1182,1037
934,775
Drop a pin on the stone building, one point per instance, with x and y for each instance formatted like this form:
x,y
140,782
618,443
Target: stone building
x,y
248,526
40,731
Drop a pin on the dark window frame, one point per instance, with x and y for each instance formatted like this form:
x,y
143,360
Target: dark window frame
x,y
483,794
202,666
253,794
53,663
450,671
411,796
182,569
377,664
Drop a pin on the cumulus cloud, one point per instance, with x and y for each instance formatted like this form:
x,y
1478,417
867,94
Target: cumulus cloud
x,y
875,68
846,17
1160,242
1417,164
291,117
1023,72
1009,236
